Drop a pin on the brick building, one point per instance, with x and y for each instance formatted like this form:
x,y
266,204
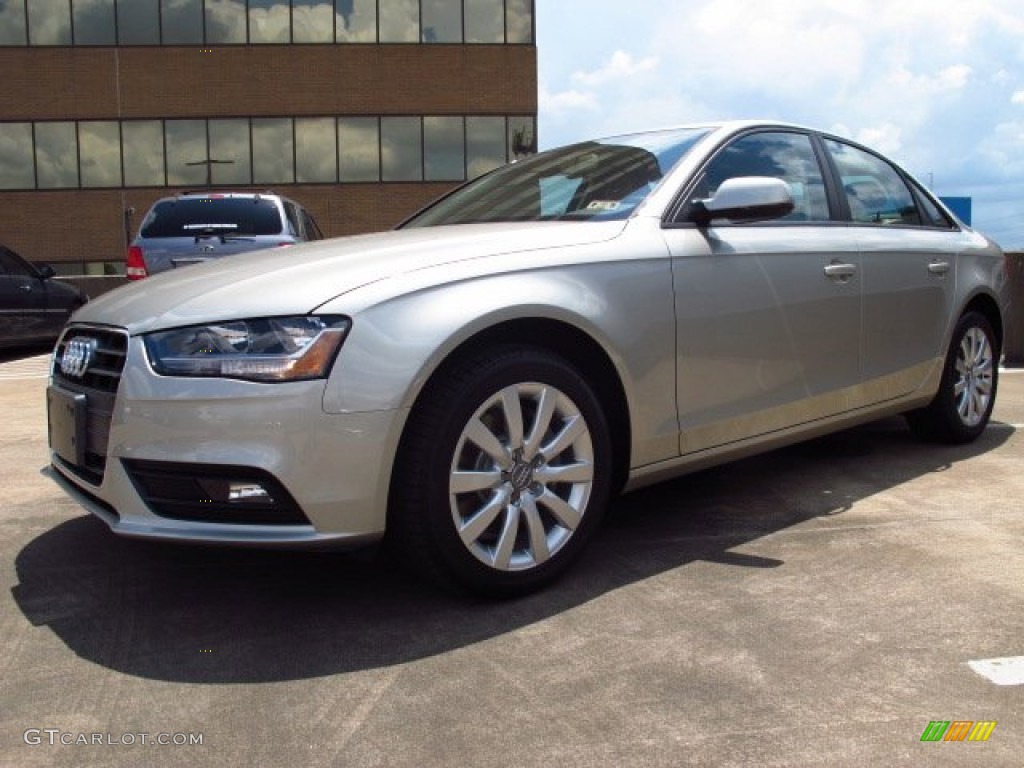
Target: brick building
x,y
362,110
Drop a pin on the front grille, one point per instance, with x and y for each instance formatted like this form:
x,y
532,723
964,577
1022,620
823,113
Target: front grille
x,y
99,383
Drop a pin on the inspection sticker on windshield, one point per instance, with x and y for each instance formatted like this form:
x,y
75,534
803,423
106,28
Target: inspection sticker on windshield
x,y
602,205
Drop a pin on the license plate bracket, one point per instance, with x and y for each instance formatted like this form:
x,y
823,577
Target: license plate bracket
x,y
67,414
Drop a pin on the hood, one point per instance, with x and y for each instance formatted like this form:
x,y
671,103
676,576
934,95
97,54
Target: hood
x,y
297,279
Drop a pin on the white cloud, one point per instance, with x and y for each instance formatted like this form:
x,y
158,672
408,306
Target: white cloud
x,y
936,86
620,66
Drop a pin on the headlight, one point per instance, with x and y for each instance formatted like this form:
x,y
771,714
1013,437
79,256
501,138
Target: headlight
x,y
268,349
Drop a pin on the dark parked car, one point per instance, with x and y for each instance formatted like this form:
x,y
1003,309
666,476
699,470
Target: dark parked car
x,y
194,227
33,307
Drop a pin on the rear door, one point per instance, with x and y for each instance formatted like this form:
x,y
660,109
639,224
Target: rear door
x,y
908,264
768,313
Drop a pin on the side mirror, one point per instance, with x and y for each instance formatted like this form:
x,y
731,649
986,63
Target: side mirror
x,y
745,198
44,271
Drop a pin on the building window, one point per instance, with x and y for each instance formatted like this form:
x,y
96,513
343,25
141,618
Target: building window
x,y
143,152
56,155
269,21
355,21
17,171
99,153
485,21
241,22
312,21
442,21
358,149
399,21
93,22
138,22
182,22
49,22
273,151
13,29
230,156
243,151
401,149
316,150
225,22
444,149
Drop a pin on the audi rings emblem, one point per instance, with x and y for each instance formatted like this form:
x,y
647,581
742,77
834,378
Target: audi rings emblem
x,y
77,355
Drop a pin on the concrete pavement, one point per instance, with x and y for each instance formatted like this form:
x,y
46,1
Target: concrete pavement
x,y
819,605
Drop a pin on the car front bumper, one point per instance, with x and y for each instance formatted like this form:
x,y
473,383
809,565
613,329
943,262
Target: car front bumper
x,y
228,462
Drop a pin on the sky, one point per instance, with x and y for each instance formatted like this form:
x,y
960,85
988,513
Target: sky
x,y
936,85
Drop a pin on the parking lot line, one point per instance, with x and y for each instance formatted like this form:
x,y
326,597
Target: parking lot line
x,y
1004,671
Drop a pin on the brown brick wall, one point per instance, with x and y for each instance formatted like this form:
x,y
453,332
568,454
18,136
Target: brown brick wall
x,y
167,82
85,83
71,225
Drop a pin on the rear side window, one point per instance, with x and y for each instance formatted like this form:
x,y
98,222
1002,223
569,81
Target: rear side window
x,y
214,215
876,193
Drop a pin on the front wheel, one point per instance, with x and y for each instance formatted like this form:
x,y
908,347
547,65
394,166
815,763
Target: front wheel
x,y
503,473
967,392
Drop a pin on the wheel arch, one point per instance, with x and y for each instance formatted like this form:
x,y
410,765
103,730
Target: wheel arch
x,y
577,348
987,306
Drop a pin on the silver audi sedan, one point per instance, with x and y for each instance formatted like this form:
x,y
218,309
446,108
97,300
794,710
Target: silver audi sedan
x,y
474,386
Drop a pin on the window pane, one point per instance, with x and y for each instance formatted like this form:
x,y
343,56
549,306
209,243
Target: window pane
x,y
444,149
272,151
356,21
143,153
16,171
269,21
225,22
359,148
786,156
519,21
485,145
186,146
12,24
522,139
312,21
49,22
229,141
99,147
442,21
316,150
875,192
485,21
138,22
400,149
399,21
94,22
56,155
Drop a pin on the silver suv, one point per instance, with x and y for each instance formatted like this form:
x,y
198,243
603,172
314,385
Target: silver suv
x,y
194,227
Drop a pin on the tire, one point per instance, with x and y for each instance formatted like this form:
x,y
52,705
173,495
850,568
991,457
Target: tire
x,y
503,473
963,405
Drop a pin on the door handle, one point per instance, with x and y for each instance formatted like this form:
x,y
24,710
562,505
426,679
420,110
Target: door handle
x,y
938,267
840,272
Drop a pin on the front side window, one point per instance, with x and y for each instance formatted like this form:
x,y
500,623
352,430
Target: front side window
x,y
786,156
596,180
875,192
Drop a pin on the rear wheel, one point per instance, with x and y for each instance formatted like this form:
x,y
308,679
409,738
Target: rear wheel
x,y
503,473
963,405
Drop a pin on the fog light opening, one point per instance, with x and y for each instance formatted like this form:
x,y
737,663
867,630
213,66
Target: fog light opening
x,y
248,493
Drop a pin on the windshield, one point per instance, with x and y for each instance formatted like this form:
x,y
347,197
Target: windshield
x,y
229,216
595,180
